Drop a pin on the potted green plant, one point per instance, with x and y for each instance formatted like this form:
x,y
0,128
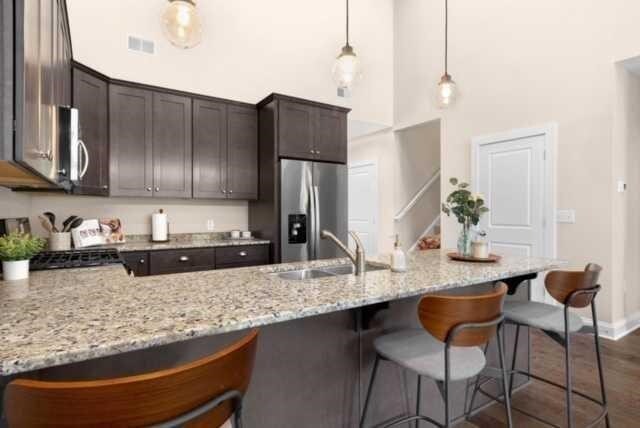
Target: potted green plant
x,y
15,251
468,208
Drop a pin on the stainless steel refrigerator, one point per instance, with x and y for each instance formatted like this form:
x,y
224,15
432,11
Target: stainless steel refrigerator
x,y
313,197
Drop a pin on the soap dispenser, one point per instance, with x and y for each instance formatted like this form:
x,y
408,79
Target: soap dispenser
x,y
398,258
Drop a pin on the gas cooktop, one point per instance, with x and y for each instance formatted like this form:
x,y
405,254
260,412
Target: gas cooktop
x,y
75,259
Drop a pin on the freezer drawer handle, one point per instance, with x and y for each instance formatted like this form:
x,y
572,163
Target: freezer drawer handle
x,y
184,259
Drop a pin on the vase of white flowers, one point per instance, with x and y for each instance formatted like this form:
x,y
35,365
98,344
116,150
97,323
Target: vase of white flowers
x,y
467,207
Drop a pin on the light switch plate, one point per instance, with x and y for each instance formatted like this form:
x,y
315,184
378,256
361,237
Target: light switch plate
x,y
566,216
621,186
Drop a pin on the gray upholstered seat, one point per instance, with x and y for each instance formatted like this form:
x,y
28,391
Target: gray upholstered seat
x,y
420,352
541,315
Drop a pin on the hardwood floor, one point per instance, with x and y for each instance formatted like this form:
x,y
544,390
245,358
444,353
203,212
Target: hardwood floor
x,y
622,378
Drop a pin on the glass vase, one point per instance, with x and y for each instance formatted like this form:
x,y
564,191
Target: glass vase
x,y
464,241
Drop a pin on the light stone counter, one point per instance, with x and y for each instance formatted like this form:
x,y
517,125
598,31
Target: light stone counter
x,y
66,316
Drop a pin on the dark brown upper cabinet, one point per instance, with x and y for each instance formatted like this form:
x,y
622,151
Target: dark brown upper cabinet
x,y
172,161
308,130
90,97
296,129
209,149
130,141
225,150
331,136
242,153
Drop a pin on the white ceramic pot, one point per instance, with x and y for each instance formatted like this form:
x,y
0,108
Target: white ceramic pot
x,y
15,270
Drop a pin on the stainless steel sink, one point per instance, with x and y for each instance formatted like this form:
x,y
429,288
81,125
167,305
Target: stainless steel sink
x,y
323,272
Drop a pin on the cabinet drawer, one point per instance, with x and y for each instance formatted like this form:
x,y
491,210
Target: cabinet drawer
x,y
137,262
246,255
172,261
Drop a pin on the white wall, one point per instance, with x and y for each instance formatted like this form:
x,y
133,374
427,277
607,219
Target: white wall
x,y
521,64
250,48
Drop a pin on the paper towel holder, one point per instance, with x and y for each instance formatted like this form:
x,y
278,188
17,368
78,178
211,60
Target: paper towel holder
x,y
161,211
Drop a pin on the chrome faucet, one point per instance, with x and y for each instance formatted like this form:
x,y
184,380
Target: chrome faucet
x,y
357,256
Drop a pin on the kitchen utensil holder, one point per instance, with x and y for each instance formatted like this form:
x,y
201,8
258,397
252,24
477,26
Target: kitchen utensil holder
x,y
60,241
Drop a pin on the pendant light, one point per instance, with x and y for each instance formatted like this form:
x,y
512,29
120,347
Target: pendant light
x,y
346,69
181,23
447,89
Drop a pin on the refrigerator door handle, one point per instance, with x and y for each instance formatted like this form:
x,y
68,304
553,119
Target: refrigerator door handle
x,y
312,220
316,215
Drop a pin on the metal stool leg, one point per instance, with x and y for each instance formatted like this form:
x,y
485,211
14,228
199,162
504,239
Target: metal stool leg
x,y
598,357
568,384
237,418
513,359
418,400
447,423
366,401
506,389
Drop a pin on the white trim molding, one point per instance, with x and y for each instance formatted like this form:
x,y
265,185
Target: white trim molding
x,y
616,330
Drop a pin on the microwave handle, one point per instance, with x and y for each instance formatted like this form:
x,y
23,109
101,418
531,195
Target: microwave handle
x,y
85,158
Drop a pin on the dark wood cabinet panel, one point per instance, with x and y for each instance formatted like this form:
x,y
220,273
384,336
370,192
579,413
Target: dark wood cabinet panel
x,y
172,145
242,256
209,149
296,130
137,262
331,136
90,94
189,260
130,141
242,158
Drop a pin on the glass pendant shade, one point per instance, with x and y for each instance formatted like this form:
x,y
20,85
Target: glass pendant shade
x,y
346,69
181,24
447,92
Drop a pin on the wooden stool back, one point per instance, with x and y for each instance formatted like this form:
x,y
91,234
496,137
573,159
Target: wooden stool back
x,y
561,283
441,313
140,400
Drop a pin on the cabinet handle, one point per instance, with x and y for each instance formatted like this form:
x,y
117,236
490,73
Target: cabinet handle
x,y
184,259
230,191
313,152
105,187
157,189
242,254
317,152
224,191
148,189
141,261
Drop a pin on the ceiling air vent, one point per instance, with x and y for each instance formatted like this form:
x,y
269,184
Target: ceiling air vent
x,y
138,44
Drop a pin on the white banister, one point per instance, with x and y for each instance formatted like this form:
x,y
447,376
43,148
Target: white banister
x,y
403,212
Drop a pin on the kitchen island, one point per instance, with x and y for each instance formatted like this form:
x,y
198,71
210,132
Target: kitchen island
x,y
314,354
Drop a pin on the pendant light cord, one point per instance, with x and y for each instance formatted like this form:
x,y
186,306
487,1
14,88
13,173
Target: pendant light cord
x,y
347,22
446,34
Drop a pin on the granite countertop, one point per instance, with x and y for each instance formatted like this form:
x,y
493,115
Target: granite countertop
x,y
66,316
176,244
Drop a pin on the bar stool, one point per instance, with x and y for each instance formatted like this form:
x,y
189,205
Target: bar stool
x,y
447,349
206,392
573,290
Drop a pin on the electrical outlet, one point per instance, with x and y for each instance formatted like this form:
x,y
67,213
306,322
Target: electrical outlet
x,y
211,225
566,216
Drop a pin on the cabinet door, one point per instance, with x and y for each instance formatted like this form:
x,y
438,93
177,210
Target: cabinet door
x,y
295,127
90,98
130,143
242,168
137,262
331,136
172,162
209,149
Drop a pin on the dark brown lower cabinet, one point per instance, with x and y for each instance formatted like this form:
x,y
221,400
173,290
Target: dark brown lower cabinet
x,y
159,262
137,262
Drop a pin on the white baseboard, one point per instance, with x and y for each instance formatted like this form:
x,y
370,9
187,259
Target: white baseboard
x,y
618,329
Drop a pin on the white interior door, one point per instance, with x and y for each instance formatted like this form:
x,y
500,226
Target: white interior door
x,y
511,176
363,204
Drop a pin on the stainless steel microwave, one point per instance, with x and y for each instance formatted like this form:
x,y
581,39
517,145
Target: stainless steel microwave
x,y
73,159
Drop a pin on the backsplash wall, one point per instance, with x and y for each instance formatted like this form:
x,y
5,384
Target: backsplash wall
x,y
185,216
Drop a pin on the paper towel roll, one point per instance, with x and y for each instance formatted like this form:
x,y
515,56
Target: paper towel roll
x,y
159,226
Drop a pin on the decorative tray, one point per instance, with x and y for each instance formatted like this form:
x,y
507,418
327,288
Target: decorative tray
x,y
491,259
